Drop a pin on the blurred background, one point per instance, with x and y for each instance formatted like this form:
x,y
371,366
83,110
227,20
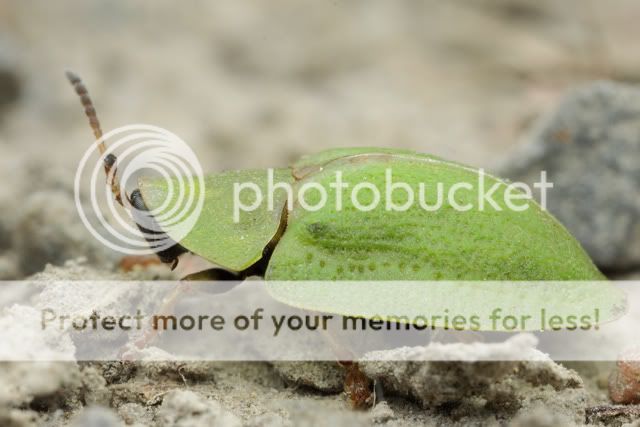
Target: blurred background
x,y
254,84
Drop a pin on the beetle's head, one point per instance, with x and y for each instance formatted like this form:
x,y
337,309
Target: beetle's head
x,y
146,223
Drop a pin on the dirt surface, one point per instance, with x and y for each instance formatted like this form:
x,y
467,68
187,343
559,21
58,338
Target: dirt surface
x,y
255,85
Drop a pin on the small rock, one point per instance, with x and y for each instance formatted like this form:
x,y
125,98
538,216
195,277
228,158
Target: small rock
x,y
624,381
589,147
182,408
381,413
505,388
327,377
96,416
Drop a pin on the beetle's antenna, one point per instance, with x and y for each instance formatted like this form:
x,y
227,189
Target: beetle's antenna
x,y
90,111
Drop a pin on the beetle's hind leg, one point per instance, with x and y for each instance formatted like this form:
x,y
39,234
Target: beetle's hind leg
x,y
360,391
358,387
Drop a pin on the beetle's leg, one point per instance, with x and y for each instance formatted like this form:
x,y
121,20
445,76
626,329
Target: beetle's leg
x,y
110,160
186,285
167,308
357,387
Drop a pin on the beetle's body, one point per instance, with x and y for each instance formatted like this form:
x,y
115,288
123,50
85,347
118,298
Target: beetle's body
x,y
351,244
285,241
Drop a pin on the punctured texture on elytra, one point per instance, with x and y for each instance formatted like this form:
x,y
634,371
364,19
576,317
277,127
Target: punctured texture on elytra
x,y
446,244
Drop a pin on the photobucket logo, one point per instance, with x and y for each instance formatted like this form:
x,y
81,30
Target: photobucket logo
x,y
142,150
396,196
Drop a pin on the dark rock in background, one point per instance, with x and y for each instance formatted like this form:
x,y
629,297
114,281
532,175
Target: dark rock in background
x,y
9,86
49,231
10,82
590,148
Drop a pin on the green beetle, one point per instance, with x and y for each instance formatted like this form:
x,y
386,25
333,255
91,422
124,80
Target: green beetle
x,y
288,242
341,241
378,244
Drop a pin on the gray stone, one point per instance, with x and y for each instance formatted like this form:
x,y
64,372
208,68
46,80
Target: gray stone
x,y
590,146
507,388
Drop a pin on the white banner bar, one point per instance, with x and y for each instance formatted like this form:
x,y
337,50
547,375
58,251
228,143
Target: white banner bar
x,y
258,320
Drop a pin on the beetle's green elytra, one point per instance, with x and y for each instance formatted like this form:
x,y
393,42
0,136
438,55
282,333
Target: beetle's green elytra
x,y
378,244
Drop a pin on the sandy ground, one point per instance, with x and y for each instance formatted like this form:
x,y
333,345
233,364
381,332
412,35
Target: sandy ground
x,y
256,85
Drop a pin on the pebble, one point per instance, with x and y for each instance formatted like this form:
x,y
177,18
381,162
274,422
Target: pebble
x,y
624,382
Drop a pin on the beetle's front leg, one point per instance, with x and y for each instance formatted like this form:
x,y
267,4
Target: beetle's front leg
x,y
184,286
